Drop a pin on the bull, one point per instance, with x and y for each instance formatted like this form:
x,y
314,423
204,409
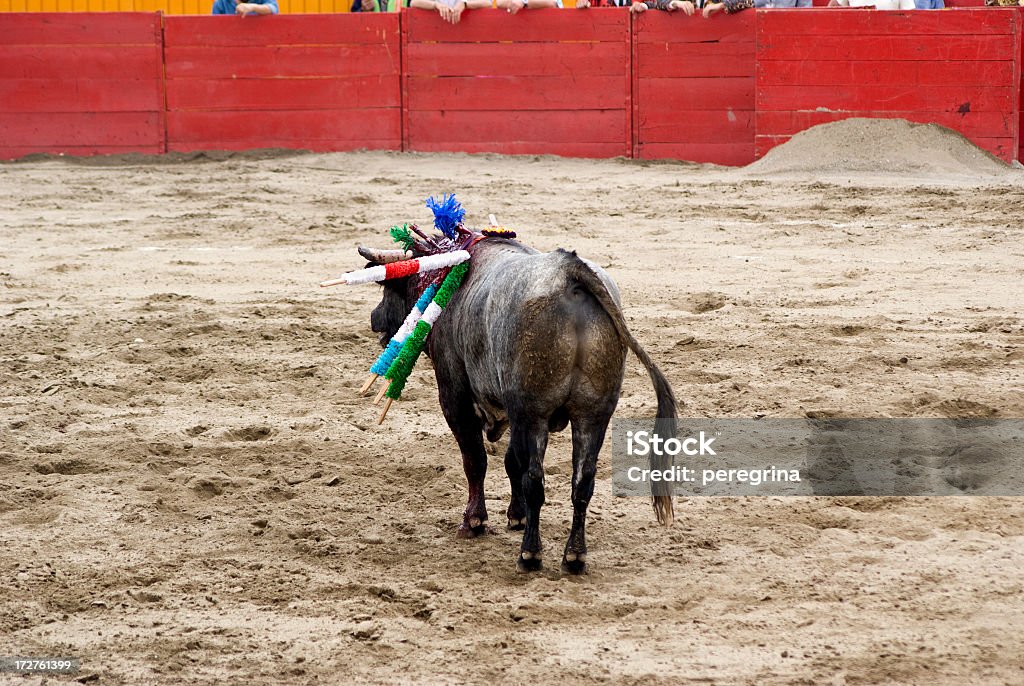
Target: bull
x,y
531,343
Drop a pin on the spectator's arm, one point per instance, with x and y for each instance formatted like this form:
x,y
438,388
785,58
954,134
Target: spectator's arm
x,y
450,14
730,7
804,3
512,6
247,8
666,5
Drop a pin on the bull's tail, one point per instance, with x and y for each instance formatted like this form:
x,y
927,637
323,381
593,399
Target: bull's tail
x,y
661,491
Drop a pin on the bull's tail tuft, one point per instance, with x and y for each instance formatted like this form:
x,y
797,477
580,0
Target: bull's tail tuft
x,y
661,491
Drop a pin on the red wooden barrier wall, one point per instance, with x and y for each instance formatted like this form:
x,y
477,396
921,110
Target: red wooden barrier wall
x,y
1020,71
319,82
955,68
570,82
80,84
543,81
694,87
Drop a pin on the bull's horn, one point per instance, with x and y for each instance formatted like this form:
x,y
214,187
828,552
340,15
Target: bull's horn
x,y
378,256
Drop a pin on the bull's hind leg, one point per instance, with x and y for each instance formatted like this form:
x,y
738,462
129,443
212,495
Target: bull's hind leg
x,y
527,445
517,503
468,430
587,436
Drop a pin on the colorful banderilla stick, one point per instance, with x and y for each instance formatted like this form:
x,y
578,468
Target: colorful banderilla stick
x,y
396,270
380,367
398,372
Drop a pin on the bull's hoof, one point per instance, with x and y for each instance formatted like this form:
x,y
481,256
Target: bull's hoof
x,y
472,528
528,562
516,524
574,564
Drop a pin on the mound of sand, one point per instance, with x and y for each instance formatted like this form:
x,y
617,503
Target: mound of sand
x,y
894,146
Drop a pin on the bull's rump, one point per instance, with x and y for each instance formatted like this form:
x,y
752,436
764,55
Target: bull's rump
x,y
531,337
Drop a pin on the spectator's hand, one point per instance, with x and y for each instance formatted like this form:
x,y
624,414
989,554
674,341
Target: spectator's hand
x,y
685,5
245,8
584,4
511,6
712,8
453,14
367,5
638,7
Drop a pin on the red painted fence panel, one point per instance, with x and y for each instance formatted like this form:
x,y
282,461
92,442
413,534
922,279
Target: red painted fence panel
x,y
317,82
543,81
1019,67
693,84
598,83
954,68
81,84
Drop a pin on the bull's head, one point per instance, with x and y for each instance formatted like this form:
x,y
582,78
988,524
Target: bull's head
x,y
390,312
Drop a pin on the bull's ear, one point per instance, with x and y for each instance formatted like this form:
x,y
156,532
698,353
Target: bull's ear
x,y
378,256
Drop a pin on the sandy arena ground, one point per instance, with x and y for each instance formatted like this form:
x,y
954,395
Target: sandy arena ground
x,y
191,492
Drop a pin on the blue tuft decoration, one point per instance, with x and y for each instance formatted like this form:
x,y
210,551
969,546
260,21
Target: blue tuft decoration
x,y
380,367
448,214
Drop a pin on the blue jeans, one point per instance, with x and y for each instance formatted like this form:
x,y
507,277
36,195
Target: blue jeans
x,y
929,4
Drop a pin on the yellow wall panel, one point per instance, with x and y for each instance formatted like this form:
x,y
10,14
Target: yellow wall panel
x,y
18,5
5,5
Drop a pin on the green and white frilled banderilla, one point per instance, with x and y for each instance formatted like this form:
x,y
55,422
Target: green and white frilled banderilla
x,y
398,373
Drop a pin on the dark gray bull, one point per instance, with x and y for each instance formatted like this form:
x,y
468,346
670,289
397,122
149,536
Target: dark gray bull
x,y
531,342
